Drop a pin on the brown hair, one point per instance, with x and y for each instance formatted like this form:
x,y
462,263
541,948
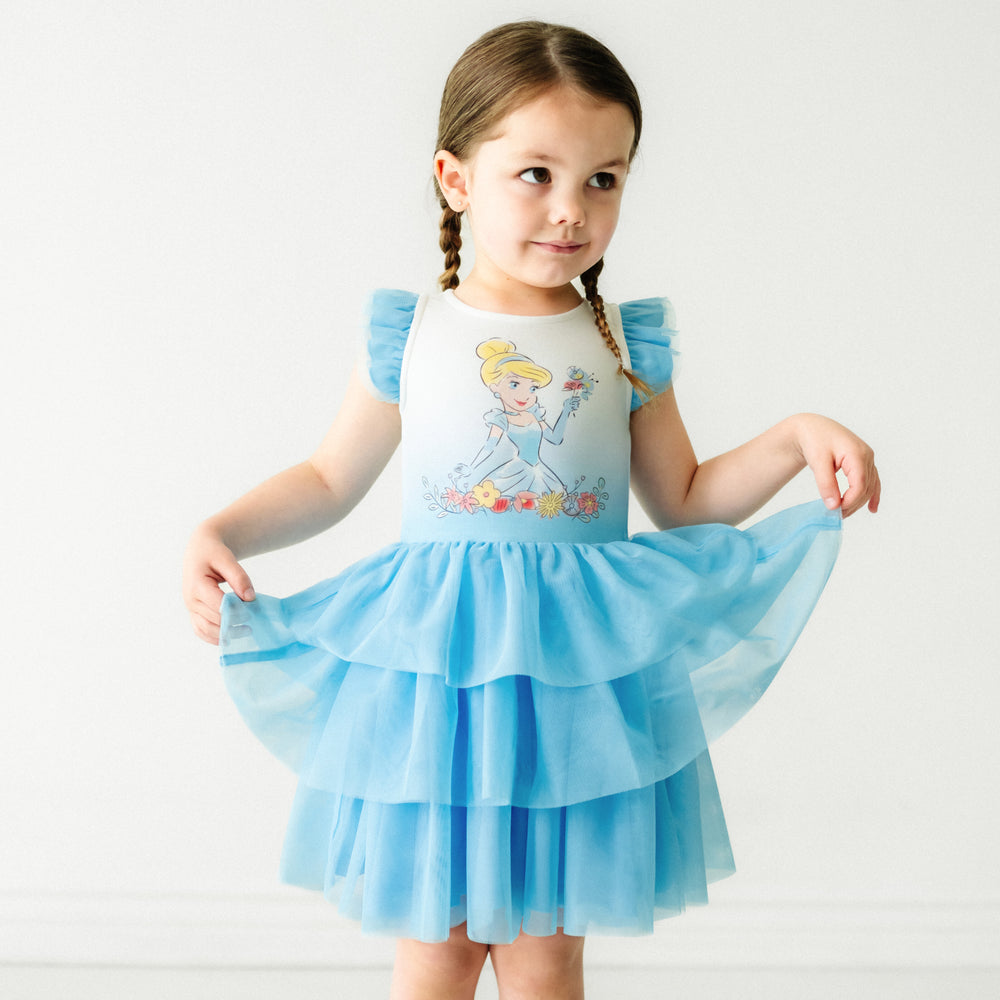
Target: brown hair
x,y
500,72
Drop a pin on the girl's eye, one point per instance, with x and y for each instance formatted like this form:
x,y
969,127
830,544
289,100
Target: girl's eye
x,y
513,385
535,175
604,181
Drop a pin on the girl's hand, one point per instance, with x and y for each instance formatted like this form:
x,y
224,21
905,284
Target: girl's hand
x,y
827,447
294,505
207,564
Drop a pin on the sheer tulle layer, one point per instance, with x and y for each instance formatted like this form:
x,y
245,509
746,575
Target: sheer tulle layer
x,y
389,316
610,864
564,613
650,329
432,671
489,731
391,737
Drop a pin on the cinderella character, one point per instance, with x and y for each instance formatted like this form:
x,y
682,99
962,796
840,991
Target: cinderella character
x,y
515,381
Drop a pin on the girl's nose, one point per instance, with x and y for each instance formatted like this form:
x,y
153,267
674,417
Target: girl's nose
x,y
566,209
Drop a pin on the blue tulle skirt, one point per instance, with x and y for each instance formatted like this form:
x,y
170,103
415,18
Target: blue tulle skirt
x,y
514,735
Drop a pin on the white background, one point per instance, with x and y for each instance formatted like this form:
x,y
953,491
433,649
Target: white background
x,y
195,199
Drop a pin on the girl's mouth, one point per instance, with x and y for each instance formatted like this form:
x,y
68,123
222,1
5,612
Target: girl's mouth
x,y
560,247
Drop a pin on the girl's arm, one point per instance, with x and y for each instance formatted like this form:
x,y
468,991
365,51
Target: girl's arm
x,y
295,504
675,489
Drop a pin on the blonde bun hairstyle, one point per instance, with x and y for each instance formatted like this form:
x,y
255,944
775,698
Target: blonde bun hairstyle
x,y
501,358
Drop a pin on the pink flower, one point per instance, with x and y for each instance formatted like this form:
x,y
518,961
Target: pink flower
x,y
588,503
467,501
572,385
452,496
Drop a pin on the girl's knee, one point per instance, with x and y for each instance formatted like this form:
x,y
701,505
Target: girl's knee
x,y
445,969
540,966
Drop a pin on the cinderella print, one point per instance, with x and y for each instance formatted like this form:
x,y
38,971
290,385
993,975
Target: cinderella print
x,y
515,381
508,470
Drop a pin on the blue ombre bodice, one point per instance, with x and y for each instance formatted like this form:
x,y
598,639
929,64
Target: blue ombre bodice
x,y
548,465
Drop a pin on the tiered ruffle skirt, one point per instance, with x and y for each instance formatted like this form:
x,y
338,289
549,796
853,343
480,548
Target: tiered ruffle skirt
x,y
514,735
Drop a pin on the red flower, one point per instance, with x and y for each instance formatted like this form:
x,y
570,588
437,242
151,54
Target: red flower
x,y
588,503
501,505
525,501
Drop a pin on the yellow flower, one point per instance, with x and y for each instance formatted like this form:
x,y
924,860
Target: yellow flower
x,y
550,504
486,494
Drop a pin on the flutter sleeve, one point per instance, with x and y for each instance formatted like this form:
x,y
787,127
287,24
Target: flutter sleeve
x,y
650,327
388,319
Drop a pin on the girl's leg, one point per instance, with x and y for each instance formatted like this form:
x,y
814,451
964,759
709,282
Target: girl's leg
x,y
445,971
535,967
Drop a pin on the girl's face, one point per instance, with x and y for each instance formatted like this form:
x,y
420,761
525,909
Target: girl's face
x,y
517,394
542,198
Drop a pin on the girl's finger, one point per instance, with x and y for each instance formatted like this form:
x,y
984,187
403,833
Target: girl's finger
x,y
208,607
858,492
237,578
205,630
863,484
826,481
876,494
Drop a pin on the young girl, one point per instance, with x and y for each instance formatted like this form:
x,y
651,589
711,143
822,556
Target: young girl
x,y
500,723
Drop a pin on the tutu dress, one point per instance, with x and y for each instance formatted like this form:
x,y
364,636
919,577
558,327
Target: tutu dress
x,y
504,717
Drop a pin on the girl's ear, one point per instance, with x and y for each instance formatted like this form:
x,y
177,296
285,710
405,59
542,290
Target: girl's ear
x,y
451,177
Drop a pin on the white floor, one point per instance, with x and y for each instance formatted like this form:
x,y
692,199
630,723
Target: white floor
x,y
19,982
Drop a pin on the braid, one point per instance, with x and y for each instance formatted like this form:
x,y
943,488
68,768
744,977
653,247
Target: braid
x,y
589,279
450,242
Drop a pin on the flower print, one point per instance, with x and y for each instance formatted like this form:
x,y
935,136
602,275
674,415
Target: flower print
x,y
579,382
486,494
581,504
525,501
550,504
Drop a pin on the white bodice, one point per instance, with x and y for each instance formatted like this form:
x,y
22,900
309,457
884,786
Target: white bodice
x,y
530,446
